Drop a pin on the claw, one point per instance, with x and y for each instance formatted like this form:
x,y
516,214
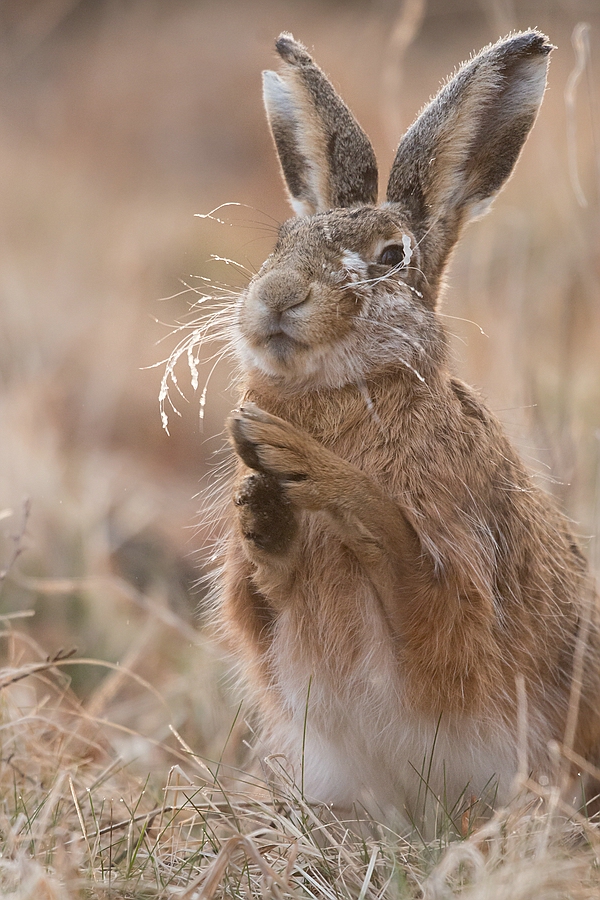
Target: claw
x,y
254,413
244,448
250,410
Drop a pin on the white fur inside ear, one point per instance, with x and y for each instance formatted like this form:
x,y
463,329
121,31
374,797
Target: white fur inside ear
x,y
278,98
479,209
300,207
283,113
529,89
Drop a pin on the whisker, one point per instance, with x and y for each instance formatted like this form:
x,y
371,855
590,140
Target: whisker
x,y
398,329
395,270
211,214
461,319
232,262
364,391
205,390
220,285
221,206
187,290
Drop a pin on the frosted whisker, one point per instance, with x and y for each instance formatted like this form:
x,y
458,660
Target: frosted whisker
x,y
469,321
364,391
211,215
408,251
232,262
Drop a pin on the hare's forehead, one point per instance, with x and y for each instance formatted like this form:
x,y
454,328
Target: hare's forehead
x,y
338,231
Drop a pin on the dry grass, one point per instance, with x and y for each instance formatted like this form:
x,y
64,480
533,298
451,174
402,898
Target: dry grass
x,y
119,122
76,821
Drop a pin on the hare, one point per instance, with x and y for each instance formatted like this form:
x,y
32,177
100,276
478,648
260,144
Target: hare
x,y
391,574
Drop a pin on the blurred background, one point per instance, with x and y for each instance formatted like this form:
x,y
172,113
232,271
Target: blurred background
x,y
119,121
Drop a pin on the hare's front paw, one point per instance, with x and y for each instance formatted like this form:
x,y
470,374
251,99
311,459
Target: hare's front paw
x,y
266,515
307,472
271,445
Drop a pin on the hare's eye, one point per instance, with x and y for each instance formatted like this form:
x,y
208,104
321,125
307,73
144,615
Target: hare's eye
x,y
392,255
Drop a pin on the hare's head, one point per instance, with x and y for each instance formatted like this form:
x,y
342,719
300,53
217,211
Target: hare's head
x,y
351,286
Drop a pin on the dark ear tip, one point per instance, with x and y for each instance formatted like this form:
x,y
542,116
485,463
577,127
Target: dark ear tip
x,y
531,43
540,43
291,51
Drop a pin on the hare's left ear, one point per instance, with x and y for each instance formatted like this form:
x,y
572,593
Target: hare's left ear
x,y
326,158
455,158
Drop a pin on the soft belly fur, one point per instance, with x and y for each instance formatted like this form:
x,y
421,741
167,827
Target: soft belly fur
x,y
342,718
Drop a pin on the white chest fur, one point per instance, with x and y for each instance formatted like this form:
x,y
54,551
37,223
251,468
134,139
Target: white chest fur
x,y
349,736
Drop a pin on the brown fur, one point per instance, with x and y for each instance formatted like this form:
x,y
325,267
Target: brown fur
x,y
388,552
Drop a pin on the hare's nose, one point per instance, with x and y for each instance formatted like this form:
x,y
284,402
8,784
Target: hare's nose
x,y
278,292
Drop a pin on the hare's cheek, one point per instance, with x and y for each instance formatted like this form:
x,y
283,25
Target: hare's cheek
x,y
351,301
334,316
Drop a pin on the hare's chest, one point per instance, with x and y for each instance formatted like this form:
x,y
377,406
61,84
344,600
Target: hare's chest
x,y
351,730
347,719
331,650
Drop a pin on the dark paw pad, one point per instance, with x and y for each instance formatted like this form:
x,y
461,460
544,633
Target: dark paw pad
x,y
267,515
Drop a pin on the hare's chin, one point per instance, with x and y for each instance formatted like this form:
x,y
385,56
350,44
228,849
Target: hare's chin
x,y
277,354
296,362
283,348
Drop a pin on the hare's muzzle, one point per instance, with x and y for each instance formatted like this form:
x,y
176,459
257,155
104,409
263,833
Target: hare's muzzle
x,y
273,314
280,291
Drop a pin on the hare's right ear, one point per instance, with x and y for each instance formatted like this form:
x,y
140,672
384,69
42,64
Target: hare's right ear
x,y
462,148
326,158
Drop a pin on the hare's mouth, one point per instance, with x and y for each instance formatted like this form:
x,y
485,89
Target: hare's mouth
x,y
283,347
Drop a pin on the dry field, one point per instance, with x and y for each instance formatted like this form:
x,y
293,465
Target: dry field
x,y
121,728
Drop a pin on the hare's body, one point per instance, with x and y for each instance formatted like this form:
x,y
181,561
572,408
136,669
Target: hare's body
x,y
430,685
391,570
